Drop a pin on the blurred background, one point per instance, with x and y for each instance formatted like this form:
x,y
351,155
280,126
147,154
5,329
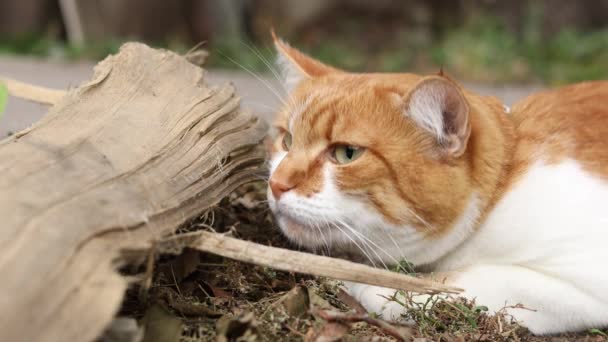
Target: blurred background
x,y
555,41
493,43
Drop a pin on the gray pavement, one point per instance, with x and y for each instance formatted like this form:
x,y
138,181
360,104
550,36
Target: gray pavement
x,y
255,93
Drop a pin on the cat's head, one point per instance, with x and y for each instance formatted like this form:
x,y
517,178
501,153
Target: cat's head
x,y
380,163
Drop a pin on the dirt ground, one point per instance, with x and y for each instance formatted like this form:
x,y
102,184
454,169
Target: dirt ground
x,y
200,297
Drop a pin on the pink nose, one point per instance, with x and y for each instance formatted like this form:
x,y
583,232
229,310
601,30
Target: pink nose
x,y
278,188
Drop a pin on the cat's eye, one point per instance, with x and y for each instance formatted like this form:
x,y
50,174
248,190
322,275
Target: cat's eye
x,y
344,154
286,141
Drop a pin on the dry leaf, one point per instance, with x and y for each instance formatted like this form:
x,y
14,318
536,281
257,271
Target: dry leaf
x,y
330,332
161,326
351,302
296,302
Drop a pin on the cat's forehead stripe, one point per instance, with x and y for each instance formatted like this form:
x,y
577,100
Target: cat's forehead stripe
x,y
300,107
297,110
318,116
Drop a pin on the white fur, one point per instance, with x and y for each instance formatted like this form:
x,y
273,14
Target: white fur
x,y
276,160
376,299
292,75
333,218
426,109
546,239
328,219
543,246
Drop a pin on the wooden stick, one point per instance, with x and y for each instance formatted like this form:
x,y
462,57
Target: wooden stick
x,y
31,92
300,262
333,316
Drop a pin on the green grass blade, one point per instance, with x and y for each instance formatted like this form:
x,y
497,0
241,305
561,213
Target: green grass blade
x,y
598,332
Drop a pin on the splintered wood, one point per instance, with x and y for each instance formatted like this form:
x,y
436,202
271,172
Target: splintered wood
x,y
117,165
117,162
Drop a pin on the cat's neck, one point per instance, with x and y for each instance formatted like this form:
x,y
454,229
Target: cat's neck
x,y
489,157
491,150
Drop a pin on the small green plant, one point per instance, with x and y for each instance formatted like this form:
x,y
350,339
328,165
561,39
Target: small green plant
x,y
269,272
598,332
404,267
438,314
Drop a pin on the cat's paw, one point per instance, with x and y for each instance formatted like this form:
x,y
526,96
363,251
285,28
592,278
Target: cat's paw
x,y
384,302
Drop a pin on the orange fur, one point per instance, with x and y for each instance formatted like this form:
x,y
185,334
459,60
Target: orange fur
x,y
569,122
401,167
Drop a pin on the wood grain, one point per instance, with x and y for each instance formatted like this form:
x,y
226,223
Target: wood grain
x,y
300,262
122,160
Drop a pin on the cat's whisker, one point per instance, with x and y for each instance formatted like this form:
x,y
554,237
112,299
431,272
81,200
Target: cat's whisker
x,y
362,238
371,260
258,77
326,224
390,236
255,103
263,178
274,72
367,242
420,219
383,250
272,66
323,239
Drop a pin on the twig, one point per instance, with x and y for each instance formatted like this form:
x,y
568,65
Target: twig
x,y
147,281
333,316
351,302
33,93
293,330
300,262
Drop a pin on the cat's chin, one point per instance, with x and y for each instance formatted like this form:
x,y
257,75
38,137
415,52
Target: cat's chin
x,y
298,232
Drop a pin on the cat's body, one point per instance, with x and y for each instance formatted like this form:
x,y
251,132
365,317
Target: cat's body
x,y
510,207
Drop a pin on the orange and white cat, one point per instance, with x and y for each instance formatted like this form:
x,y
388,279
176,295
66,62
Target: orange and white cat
x,y
512,207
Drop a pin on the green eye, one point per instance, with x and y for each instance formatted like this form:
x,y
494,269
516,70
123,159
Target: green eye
x,y
344,154
287,141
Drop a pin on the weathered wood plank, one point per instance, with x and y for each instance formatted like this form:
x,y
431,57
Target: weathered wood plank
x,y
119,161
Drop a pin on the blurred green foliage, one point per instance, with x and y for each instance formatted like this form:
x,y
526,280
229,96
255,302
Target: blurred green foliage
x,y
48,46
43,46
483,49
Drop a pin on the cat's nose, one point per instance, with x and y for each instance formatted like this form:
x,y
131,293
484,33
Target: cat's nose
x,y
278,188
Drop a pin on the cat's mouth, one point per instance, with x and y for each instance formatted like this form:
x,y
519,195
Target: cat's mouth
x,y
299,228
291,226
302,233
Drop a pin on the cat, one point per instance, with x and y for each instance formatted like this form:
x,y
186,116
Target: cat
x,y
511,207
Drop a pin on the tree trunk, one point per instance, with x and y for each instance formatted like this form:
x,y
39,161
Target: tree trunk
x,y
119,162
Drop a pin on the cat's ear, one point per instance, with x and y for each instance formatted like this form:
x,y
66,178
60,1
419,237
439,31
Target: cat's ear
x,y
437,105
296,66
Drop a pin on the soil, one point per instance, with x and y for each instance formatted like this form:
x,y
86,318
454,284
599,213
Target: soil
x,y
200,297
